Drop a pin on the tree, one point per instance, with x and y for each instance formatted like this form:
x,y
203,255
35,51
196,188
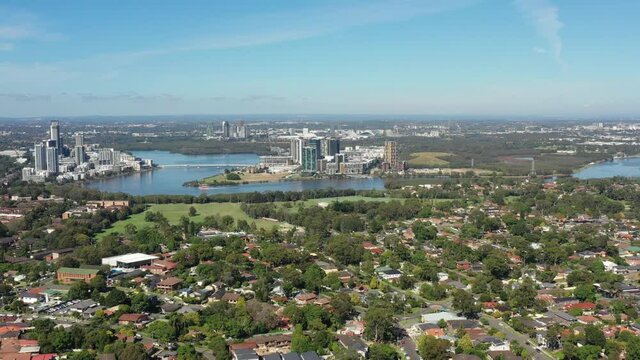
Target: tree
x,y
188,352
589,352
219,348
342,306
584,292
406,282
261,289
162,330
553,337
465,344
424,231
382,352
300,342
82,355
97,339
79,290
433,292
313,277
633,348
379,324
192,211
497,266
429,347
524,296
132,351
594,336
345,250
346,354
465,303
332,280
116,297
142,303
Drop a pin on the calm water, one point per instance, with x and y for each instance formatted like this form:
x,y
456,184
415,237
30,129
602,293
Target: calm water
x,y
169,180
627,167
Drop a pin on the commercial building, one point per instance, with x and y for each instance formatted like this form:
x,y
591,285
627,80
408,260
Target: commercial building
x,y
309,159
79,139
352,168
241,131
108,157
129,261
296,149
316,143
54,134
330,147
226,130
40,157
271,160
30,174
67,275
79,154
52,160
391,154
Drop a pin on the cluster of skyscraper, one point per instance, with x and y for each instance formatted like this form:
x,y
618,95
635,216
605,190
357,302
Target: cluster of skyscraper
x,y
235,131
309,152
47,153
51,157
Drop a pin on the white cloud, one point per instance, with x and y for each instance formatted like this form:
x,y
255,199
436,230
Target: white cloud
x,y
19,25
539,50
544,16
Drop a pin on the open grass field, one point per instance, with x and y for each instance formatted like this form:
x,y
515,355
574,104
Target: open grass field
x,y
245,178
428,158
313,202
173,213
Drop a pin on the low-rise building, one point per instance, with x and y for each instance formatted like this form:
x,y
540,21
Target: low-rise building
x,y
68,275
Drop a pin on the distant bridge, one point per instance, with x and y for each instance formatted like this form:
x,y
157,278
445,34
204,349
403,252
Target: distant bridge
x,y
202,165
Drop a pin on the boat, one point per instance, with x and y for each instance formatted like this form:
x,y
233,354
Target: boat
x,y
203,187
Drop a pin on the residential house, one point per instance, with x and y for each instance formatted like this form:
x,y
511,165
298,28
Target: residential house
x,y
354,343
169,284
138,320
305,298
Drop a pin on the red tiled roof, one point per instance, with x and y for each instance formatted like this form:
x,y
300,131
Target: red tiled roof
x,y
132,317
44,357
581,306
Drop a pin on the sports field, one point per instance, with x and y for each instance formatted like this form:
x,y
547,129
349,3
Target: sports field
x,y
173,213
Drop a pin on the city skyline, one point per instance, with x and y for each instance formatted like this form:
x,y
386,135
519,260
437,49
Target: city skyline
x,y
545,58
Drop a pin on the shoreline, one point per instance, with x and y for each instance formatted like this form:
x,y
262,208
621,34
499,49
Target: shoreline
x,y
198,183
113,176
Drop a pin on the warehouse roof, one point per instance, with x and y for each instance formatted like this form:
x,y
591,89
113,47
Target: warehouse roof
x,y
129,258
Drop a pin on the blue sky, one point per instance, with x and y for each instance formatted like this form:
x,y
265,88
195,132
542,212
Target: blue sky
x,y
450,57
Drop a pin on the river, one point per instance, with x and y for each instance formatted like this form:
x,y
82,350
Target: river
x,y
169,180
625,167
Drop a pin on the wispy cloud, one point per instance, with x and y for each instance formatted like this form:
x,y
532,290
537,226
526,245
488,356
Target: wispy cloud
x,y
278,27
254,98
25,97
19,25
544,16
131,97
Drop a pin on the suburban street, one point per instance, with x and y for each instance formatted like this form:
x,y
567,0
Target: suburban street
x,y
513,335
